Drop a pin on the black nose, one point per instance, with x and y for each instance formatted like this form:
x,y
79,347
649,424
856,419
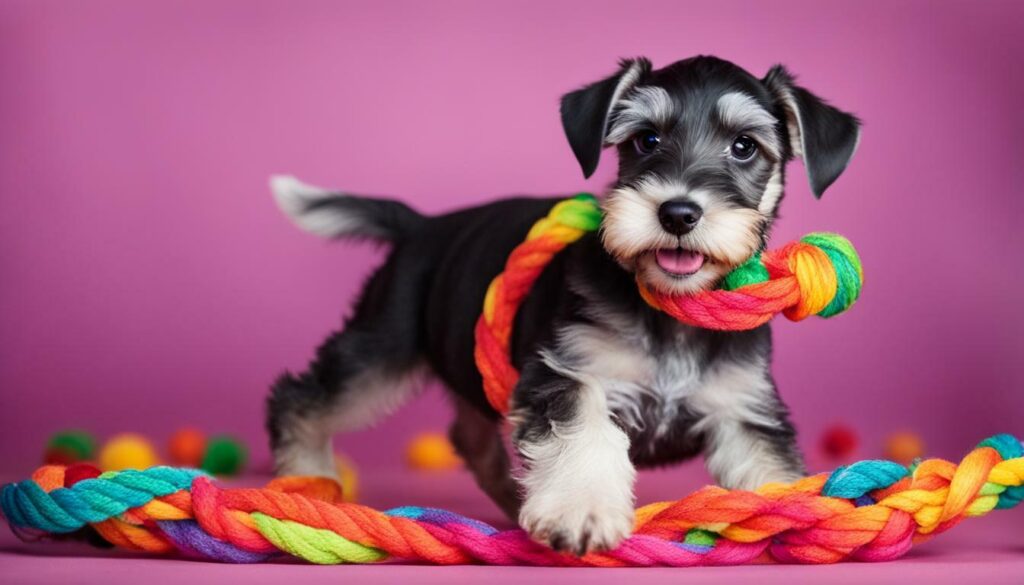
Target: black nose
x,y
678,217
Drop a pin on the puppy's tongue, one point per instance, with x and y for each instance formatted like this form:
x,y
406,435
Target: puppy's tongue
x,y
679,261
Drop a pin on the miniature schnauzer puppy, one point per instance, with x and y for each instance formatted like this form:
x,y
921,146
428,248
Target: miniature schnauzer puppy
x,y
608,384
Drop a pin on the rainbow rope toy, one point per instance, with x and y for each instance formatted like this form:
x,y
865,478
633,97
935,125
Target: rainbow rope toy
x,y
819,275
867,511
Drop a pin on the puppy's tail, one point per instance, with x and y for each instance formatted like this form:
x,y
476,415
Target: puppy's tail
x,y
331,214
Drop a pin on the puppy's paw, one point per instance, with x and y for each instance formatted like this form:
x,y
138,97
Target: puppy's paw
x,y
597,520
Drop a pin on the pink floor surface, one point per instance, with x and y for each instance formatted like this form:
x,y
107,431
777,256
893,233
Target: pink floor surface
x,y
986,550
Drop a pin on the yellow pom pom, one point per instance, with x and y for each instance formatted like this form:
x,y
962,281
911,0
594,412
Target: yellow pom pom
x,y
432,452
127,451
348,477
904,447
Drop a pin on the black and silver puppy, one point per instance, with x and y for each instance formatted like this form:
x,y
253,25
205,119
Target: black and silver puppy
x,y
608,384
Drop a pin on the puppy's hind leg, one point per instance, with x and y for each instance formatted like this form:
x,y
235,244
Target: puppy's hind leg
x,y
477,439
305,411
359,375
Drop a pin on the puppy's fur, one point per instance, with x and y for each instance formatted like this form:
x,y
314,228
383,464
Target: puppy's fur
x,y
608,384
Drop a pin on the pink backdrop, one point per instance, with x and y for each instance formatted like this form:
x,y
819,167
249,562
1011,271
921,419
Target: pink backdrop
x,y
148,280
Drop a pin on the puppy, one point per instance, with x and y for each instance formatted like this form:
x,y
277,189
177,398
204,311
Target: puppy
x,y
608,384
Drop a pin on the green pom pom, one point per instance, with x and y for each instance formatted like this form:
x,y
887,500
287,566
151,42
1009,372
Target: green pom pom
x,y
750,272
224,456
80,444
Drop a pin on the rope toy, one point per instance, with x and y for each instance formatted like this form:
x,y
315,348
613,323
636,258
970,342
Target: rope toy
x,y
568,221
867,511
820,274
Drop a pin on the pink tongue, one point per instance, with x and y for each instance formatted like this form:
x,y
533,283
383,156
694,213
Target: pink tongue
x,y
679,261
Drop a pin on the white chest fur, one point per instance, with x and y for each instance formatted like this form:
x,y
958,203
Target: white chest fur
x,y
633,372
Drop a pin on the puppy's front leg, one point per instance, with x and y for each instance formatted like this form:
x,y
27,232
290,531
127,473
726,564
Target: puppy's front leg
x,y
577,478
749,440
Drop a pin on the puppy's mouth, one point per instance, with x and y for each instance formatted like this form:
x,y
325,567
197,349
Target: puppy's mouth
x,y
678,262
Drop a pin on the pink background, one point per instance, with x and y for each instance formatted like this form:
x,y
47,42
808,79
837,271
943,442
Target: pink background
x,y
148,280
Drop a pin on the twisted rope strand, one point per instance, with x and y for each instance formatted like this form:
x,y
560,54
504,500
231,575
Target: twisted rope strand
x,y
567,222
868,511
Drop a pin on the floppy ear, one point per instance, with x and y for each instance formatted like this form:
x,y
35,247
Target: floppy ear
x,y
585,111
824,136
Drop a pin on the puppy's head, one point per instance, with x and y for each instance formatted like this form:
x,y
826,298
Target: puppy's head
x,y
702,148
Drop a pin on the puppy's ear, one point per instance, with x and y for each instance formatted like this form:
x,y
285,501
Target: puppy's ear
x,y
824,136
585,111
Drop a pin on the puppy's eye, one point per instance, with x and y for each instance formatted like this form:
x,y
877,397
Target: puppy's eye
x,y
743,148
647,142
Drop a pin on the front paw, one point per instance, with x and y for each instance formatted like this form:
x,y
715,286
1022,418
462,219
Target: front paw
x,y
578,522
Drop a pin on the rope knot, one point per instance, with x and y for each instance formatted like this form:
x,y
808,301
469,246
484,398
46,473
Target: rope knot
x,y
827,271
819,275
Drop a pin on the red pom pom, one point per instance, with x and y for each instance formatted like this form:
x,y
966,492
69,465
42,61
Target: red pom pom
x,y
79,471
187,447
839,441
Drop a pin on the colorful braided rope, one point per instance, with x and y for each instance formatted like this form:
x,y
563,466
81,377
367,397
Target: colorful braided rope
x,y
567,222
867,511
820,274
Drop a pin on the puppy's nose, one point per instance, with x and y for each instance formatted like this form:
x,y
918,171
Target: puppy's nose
x,y
678,217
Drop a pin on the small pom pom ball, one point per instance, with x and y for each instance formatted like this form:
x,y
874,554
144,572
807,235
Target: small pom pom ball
x,y
904,447
187,447
79,471
127,451
839,441
224,456
69,447
432,452
348,476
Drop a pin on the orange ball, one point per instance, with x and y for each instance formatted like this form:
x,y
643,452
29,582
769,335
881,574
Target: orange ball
x,y
432,452
904,447
348,477
187,447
